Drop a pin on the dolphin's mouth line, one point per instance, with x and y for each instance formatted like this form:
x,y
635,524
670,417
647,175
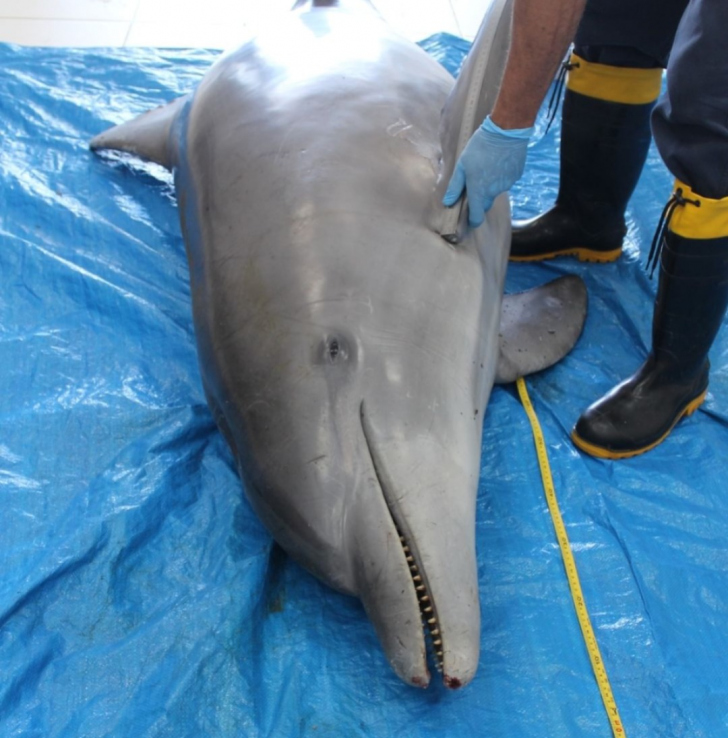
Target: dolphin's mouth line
x,y
430,624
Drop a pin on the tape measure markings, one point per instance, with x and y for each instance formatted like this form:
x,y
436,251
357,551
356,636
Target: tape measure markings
x,y
572,575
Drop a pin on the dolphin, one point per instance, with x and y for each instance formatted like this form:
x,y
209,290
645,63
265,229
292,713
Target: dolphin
x,y
348,349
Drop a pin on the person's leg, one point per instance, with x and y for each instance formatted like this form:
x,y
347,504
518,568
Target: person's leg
x,y
690,123
615,78
691,132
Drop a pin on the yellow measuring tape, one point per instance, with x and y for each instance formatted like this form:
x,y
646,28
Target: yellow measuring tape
x,y
570,565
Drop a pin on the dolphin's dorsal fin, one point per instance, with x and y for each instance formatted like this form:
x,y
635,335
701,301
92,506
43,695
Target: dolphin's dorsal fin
x,y
540,326
146,136
470,101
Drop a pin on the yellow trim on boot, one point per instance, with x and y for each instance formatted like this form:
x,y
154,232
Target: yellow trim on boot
x,y
605,453
707,220
582,254
614,84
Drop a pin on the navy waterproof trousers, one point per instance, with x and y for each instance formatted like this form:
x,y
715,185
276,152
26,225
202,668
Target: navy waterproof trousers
x,y
690,39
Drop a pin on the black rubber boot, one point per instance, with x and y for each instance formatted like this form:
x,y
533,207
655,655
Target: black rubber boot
x,y
603,149
691,301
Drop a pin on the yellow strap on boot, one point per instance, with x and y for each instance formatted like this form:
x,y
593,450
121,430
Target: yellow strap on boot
x,y
702,218
614,84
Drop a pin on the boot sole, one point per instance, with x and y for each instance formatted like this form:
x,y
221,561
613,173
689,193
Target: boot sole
x,y
604,453
582,254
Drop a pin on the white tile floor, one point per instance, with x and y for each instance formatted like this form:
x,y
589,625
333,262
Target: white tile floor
x,y
198,23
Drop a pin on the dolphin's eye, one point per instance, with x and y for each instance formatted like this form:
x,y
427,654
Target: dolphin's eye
x,y
335,349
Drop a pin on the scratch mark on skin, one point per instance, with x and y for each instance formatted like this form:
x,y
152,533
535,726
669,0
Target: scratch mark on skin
x,y
316,459
399,128
344,299
256,402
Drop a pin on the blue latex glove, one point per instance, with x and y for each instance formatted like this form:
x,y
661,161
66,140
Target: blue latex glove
x,y
491,163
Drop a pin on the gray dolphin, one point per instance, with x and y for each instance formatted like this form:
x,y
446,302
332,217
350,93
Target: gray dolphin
x,y
347,350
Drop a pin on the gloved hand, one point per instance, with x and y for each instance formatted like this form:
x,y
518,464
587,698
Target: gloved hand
x,y
491,163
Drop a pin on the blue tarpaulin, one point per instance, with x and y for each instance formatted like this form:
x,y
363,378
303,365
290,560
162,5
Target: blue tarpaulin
x,y
140,596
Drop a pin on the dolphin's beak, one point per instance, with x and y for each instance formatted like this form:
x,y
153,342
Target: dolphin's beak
x,y
385,587
416,570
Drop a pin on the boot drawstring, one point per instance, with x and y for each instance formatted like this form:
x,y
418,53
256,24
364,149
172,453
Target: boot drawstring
x,y
559,82
658,240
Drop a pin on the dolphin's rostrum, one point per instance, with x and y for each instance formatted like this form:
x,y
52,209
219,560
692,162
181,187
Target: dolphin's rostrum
x,y
347,350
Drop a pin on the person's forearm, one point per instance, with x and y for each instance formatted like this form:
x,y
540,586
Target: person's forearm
x,y
542,31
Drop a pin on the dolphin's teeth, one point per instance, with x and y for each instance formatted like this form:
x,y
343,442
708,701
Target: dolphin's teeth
x,y
429,620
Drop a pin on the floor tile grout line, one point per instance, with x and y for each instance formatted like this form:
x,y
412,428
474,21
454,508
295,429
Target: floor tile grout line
x,y
455,16
47,19
131,23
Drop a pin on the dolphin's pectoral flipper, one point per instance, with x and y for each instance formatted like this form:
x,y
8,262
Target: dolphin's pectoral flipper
x,y
146,136
540,326
470,101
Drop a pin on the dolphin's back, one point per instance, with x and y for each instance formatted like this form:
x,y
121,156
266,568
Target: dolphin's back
x,y
306,173
320,117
